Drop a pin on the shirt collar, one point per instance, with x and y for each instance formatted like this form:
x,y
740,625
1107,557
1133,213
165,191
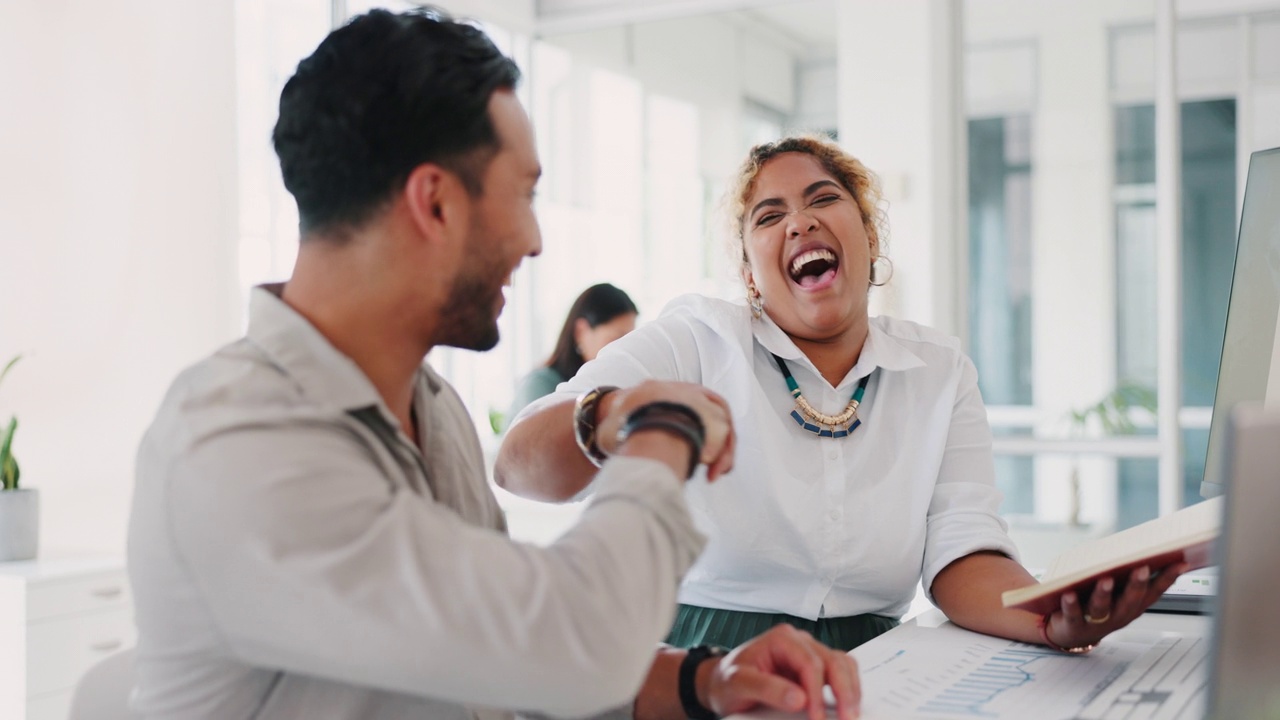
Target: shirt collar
x,y
881,349
304,354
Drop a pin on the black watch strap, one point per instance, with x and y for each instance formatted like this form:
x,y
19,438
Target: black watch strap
x,y
688,681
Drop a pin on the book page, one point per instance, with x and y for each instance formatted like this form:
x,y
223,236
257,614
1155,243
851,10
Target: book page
x,y
1187,526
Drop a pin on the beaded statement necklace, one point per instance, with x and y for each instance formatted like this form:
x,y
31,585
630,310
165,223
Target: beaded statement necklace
x,y
822,425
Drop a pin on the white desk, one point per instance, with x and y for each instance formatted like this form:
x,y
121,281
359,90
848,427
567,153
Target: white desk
x,y
58,616
927,663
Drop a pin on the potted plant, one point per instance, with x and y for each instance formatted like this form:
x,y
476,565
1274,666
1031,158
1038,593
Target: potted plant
x,y
1112,413
19,507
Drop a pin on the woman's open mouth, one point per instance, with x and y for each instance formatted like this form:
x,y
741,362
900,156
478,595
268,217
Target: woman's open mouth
x,y
814,269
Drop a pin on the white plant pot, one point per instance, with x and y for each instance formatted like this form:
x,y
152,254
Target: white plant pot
x,y
19,524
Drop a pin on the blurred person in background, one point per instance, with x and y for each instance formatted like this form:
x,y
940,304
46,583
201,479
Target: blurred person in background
x,y
600,315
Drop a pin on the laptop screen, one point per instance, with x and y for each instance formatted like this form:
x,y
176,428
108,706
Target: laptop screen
x,y
1250,367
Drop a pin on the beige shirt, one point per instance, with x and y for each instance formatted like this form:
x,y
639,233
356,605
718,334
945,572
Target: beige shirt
x,y
294,555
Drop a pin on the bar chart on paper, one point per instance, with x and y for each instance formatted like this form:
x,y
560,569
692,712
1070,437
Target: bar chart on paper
x,y
946,673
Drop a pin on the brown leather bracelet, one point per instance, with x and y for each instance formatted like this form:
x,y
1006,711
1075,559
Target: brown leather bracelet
x,y
675,419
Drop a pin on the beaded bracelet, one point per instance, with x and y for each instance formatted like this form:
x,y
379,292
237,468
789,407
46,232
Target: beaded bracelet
x,y
674,418
1044,636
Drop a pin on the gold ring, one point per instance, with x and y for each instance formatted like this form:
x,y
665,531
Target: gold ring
x,y
1097,621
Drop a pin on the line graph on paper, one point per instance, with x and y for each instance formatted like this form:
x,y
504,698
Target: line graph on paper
x,y
950,674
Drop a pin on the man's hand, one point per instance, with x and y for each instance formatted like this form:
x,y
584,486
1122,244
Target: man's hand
x,y
717,447
782,669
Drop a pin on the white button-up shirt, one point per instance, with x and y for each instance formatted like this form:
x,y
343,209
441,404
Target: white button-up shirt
x,y
813,526
295,555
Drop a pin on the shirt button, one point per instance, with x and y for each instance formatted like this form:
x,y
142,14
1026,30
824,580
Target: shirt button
x,y
834,515
833,455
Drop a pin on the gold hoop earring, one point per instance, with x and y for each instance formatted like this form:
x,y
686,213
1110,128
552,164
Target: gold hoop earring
x,y
875,275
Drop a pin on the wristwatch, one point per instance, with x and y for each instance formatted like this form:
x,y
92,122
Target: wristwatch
x,y
693,708
584,423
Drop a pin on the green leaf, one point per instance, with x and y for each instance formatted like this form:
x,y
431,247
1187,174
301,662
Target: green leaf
x,y
11,473
9,466
8,366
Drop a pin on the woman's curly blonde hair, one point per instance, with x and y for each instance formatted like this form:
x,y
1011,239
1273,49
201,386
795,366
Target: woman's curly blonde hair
x,y
861,183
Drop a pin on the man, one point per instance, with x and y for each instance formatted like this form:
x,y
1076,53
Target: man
x,y
312,534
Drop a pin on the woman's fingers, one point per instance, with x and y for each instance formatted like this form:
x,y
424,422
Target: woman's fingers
x,y
1106,610
1099,611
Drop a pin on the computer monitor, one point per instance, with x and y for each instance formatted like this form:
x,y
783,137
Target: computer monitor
x,y
1246,655
1250,367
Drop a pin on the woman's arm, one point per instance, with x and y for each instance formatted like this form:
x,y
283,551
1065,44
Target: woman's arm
x,y
963,514
969,589
540,459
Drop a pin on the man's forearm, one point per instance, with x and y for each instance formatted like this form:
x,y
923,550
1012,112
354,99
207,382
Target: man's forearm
x,y
540,459
659,697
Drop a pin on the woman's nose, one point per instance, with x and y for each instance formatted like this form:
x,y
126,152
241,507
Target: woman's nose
x,y
800,221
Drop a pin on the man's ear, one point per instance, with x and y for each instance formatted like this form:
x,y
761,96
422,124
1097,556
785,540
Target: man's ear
x,y
436,201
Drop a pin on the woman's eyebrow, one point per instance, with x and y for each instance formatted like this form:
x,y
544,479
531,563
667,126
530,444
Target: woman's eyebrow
x,y
777,202
818,185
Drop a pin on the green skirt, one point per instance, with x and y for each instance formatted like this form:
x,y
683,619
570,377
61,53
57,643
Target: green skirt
x,y
730,628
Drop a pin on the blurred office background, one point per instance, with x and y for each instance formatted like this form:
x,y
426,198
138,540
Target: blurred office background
x,y
1017,141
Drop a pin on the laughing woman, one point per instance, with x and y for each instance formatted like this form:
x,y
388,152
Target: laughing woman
x,y
863,460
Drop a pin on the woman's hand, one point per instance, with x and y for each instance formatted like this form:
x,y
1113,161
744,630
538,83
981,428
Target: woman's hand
x,y
717,446
1105,612
783,669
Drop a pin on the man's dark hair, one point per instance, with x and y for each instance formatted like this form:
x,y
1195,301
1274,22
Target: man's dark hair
x,y
380,96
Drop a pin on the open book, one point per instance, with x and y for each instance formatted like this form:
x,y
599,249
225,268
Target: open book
x,y
1187,535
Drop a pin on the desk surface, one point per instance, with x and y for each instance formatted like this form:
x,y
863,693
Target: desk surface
x,y
909,671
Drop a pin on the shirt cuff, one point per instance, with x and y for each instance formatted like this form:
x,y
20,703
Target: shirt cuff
x,y
978,540
653,485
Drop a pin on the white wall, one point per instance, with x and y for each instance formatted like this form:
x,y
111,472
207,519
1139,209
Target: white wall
x,y
896,113
704,60
117,235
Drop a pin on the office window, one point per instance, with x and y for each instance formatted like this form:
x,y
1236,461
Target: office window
x,y
1000,257
1000,284
1208,249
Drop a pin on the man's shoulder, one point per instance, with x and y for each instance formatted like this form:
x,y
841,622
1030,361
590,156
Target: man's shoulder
x,y
238,374
236,384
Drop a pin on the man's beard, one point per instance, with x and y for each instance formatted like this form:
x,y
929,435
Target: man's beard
x,y
467,319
